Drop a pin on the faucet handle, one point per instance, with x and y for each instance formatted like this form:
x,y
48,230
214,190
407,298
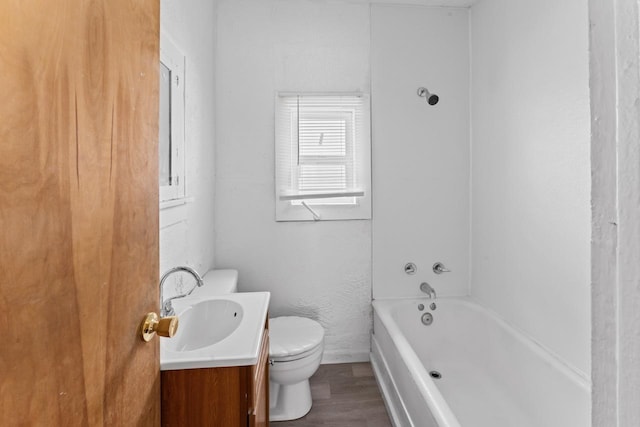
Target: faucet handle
x,y
167,308
439,268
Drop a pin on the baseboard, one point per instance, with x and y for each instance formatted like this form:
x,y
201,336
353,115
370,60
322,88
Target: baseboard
x,y
333,357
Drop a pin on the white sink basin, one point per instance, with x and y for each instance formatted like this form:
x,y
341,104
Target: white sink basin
x,y
216,331
206,323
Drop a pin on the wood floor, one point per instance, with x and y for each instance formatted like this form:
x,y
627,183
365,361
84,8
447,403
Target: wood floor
x,y
344,395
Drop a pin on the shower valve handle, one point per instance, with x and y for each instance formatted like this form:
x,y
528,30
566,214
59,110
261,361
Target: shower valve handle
x,y
439,268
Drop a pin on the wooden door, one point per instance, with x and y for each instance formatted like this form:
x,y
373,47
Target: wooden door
x,y
78,212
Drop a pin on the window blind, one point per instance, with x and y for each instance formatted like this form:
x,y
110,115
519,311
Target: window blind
x,y
319,147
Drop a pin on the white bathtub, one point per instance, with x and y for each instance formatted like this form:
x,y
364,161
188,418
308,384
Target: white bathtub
x,y
492,376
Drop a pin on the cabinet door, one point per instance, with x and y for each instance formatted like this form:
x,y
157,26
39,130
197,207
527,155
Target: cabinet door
x,y
213,397
259,404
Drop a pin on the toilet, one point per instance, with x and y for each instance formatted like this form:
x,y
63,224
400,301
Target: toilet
x,y
295,351
218,282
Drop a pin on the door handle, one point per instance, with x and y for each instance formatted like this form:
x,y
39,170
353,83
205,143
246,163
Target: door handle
x,y
152,325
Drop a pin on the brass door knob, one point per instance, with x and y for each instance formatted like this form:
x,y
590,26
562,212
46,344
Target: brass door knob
x,y
152,324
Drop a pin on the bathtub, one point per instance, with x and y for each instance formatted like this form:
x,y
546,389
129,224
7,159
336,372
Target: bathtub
x,y
491,375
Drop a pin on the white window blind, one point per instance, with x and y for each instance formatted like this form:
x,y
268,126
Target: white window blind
x,y
322,149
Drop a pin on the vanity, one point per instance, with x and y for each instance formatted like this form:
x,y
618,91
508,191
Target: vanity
x,y
215,370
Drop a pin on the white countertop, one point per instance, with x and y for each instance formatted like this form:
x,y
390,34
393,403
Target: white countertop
x,y
241,348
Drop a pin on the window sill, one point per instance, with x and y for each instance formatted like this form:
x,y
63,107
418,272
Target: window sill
x,y
176,202
173,212
285,211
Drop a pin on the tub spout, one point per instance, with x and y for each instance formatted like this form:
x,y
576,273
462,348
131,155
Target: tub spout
x,y
427,289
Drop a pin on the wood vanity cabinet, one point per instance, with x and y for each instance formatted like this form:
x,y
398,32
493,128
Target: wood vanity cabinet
x,y
218,397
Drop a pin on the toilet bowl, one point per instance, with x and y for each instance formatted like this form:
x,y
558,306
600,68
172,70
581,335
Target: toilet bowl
x,y
295,351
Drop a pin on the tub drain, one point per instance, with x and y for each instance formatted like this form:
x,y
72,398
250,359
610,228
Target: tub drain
x,y
435,374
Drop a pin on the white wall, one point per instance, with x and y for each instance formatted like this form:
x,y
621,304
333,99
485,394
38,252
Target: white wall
x,y
420,152
321,270
615,157
531,171
529,161
187,230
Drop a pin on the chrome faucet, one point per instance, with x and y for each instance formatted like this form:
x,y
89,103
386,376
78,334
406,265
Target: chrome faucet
x,y
166,309
427,289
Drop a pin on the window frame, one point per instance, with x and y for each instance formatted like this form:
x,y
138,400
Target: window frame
x,y
357,204
173,58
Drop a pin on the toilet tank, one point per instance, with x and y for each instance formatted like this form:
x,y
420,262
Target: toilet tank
x,y
219,282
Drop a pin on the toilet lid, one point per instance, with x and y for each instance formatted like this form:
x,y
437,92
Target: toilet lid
x,y
291,335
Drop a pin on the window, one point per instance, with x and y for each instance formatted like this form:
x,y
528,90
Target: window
x,y
323,152
171,134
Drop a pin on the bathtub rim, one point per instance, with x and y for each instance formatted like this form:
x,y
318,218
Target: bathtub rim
x,y
558,363
383,376
399,413
434,399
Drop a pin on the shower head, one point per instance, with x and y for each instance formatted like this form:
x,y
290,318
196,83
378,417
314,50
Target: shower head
x,y
432,98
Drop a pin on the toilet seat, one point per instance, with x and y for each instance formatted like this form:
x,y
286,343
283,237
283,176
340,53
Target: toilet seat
x,y
294,357
295,351
293,338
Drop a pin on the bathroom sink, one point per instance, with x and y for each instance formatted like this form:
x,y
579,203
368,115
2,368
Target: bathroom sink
x,y
206,323
216,331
